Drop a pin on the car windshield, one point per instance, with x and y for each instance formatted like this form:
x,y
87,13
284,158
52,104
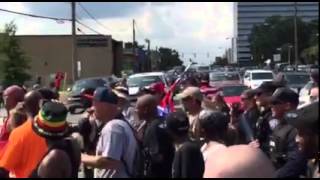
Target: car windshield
x,y
297,78
233,90
142,81
256,76
88,83
224,77
203,68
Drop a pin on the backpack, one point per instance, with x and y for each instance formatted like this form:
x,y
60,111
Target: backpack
x,y
138,170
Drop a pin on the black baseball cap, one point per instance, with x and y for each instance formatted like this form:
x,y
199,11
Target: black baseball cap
x,y
106,95
284,95
267,87
178,122
305,117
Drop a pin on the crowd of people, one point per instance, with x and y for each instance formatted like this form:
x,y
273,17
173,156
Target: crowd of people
x,y
266,136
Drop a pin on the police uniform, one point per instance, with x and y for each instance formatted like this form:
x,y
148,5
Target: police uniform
x,y
263,130
307,117
283,148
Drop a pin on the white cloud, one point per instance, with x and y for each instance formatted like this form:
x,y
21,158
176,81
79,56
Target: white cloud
x,y
185,26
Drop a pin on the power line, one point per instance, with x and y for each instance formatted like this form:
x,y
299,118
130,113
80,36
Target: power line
x,y
35,16
89,14
89,28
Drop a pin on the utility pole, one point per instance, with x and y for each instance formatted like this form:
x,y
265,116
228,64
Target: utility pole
x,y
74,42
133,45
295,34
149,55
133,37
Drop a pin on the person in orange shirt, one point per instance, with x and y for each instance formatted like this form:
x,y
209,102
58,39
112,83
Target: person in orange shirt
x,y
25,148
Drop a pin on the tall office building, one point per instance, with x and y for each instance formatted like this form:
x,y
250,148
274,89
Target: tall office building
x,y
247,14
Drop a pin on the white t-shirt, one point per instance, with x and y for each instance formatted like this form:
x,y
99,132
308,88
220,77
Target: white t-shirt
x,y
117,142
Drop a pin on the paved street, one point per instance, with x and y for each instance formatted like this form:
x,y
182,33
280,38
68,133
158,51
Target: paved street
x,y
71,118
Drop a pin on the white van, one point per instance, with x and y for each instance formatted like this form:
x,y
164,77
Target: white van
x,y
254,78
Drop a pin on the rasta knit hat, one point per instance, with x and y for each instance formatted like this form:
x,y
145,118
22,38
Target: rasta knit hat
x,y
51,121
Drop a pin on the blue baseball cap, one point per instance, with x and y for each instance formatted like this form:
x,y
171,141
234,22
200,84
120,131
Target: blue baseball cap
x,y
106,95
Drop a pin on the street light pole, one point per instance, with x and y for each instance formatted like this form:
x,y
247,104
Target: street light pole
x,y
149,56
74,42
295,35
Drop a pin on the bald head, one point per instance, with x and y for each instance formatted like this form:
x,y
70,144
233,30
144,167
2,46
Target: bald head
x,y
240,161
146,107
12,95
31,102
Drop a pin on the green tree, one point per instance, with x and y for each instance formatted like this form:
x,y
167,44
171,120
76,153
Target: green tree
x,y
14,64
169,58
277,32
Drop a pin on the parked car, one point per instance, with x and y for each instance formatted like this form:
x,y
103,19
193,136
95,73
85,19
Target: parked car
x,y
289,68
232,93
87,86
216,79
254,78
280,66
296,80
141,80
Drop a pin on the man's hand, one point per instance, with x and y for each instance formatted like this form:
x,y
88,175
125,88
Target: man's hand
x,y
254,144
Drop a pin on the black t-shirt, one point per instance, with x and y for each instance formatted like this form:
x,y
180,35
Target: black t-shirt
x,y
188,161
159,150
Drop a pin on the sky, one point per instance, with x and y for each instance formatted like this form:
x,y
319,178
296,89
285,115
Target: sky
x,y
188,27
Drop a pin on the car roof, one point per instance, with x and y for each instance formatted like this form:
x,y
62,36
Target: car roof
x,y
147,74
224,72
295,72
259,71
91,78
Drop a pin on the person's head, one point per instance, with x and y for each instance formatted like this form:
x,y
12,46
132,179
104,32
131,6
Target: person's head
x,y
17,116
191,98
123,95
158,90
218,98
314,94
247,99
146,107
239,161
105,104
48,94
283,100
32,102
314,75
213,125
12,96
50,122
264,92
178,125
306,121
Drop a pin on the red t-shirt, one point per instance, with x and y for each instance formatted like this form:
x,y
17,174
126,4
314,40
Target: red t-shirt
x,y
4,130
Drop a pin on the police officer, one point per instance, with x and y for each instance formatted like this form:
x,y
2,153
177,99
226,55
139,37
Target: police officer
x,y
306,121
284,153
263,130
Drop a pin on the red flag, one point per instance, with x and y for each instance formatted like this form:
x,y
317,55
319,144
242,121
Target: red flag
x,y
167,101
